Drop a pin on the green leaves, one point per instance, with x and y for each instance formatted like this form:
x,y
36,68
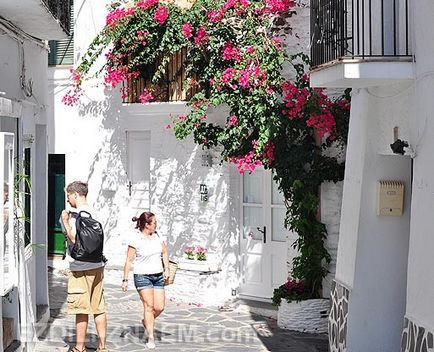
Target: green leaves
x,y
235,60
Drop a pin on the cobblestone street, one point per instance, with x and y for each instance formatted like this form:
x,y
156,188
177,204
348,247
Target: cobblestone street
x,y
181,327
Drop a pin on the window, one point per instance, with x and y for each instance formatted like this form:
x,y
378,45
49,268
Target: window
x,y
62,51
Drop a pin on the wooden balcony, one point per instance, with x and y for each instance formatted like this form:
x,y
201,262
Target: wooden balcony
x,y
171,87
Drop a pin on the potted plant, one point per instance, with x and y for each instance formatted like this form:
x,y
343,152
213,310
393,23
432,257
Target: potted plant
x,y
296,311
189,252
201,253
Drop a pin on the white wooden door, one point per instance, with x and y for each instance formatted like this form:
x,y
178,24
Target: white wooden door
x,y
138,171
263,236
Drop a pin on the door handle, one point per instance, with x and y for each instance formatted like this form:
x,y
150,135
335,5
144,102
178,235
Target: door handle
x,y
264,232
129,186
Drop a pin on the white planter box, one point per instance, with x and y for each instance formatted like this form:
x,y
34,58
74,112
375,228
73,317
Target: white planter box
x,y
197,265
306,316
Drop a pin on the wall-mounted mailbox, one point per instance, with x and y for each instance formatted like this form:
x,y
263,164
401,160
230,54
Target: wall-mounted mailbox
x,y
390,198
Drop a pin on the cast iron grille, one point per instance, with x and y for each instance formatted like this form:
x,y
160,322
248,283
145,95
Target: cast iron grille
x,y
359,29
61,10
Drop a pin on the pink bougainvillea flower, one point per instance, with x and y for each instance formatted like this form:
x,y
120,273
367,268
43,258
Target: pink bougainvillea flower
x,y
117,14
229,4
161,14
228,74
216,16
244,4
250,49
277,43
248,162
114,76
324,122
276,7
230,52
168,126
76,76
201,36
269,90
244,79
233,120
146,96
146,4
268,153
187,28
72,97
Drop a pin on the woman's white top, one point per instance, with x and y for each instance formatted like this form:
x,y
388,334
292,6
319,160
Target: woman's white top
x,y
148,253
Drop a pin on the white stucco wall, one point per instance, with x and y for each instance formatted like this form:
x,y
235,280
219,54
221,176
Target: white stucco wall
x,y
31,120
421,261
93,139
176,174
373,250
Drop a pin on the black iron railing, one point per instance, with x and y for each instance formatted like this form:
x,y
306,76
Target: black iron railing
x,y
61,10
359,29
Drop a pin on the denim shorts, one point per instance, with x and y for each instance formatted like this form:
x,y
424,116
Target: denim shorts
x,y
149,281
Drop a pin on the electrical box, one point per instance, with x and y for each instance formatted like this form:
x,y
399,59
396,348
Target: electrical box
x,y
390,198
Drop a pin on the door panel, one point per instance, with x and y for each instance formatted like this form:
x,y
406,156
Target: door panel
x,y
252,220
253,273
278,231
251,192
263,242
138,170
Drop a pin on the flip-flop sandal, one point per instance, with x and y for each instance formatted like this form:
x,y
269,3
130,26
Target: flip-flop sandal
x,y
75,349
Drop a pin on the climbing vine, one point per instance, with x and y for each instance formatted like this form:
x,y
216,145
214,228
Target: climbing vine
x,y
235,59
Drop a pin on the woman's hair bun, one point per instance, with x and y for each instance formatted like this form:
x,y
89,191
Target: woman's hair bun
x,y
134,219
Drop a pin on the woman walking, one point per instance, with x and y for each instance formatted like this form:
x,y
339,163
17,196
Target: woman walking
x,y
145,250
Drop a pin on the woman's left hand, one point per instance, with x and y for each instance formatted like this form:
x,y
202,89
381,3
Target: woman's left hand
x,y
166,274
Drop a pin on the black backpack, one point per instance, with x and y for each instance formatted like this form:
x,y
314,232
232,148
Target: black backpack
x,y
89,239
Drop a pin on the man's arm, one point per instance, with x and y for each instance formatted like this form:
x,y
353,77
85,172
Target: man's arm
x,y
69,231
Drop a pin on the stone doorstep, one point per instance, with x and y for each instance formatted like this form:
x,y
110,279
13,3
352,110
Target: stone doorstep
x,y
8,331
263,309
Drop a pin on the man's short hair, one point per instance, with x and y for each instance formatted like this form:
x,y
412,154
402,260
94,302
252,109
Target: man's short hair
x,y
77,187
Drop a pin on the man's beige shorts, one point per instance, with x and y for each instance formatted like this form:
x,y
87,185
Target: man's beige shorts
x,y
86,292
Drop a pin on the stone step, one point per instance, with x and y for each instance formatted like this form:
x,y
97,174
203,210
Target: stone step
x,y
264,309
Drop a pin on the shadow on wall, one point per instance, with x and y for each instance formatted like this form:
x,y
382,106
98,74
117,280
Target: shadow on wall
x,y
189,221
107,165
176,196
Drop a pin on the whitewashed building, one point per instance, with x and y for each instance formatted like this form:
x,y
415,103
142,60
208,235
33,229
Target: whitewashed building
x,y
133,163
383,286
24,28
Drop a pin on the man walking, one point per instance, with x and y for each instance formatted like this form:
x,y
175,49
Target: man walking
x,y
85,284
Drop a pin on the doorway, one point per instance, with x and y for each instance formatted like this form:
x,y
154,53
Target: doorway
x,y
263,240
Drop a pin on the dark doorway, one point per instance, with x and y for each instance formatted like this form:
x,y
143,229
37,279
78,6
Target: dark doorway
x,y
56,203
